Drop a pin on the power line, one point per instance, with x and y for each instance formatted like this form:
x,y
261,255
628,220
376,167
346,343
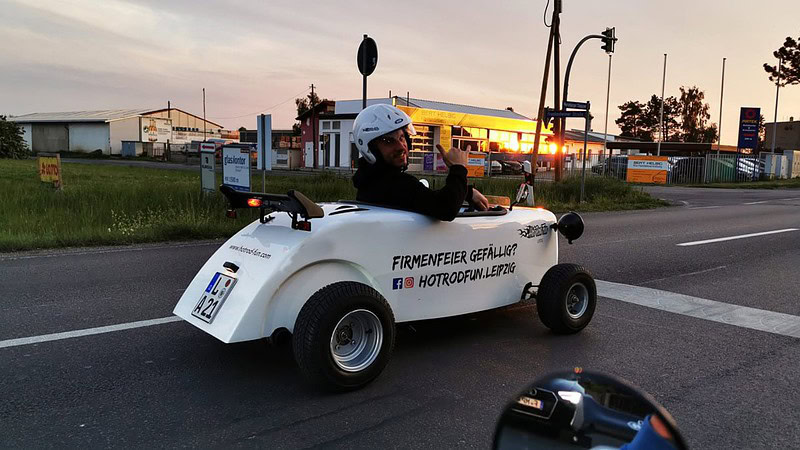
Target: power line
x,y
265,109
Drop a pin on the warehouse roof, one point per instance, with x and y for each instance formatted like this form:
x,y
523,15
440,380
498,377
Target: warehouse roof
x,y
104,115
454,107
354,106
81,116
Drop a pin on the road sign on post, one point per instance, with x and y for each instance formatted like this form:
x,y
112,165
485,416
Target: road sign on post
x,y
576,105
367,60
566,113
208,177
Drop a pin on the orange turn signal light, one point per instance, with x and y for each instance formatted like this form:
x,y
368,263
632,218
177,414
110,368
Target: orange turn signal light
x,y
254,202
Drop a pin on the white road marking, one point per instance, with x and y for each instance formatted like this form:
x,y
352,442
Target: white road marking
x,y
86,332
730,238
61,252
772,200
704,207
740,316
684,274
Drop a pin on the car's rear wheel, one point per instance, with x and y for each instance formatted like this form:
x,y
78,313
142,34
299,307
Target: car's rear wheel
x,y
566,298
344,336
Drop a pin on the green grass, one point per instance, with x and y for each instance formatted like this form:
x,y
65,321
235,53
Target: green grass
x,y
601,193
766,184
110,205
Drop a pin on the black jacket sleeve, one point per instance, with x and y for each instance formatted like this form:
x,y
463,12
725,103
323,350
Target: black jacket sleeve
x,y
442,204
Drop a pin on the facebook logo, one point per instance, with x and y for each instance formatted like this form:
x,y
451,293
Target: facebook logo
x,y
397,283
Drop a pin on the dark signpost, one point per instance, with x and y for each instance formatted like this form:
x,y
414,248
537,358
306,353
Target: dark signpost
x,y
367,60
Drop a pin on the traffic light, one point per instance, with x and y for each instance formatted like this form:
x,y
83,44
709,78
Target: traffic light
x,y
609,40
548,119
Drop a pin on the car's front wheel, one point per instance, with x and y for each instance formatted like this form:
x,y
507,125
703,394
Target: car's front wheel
x,y
566,298
344,336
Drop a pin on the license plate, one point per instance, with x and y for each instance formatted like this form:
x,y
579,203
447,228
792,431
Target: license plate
x,y
215,294
531,402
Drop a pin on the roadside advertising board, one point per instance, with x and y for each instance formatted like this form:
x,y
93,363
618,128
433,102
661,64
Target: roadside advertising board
x,y
236,168
50,168
156,129
748,127
207,166
647,169
475,164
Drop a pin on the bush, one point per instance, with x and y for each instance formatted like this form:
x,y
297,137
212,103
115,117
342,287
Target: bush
x,y
11,143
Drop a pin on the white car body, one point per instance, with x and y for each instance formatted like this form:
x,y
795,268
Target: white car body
x,y
424,268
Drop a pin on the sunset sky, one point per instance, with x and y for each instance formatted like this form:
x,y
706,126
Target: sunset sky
x,y
257,57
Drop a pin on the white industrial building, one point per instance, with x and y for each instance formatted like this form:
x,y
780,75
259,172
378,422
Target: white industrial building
x,y
114,132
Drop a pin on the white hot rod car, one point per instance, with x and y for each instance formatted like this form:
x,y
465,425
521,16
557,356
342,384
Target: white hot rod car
x,y
337,277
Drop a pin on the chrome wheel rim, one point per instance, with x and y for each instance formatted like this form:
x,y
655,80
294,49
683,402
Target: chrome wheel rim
x,y
356,340
577,300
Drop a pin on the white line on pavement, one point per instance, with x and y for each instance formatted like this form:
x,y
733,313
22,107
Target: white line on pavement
x,y
740,316
704,207
684,274
86,332
730,238
59,252
757,203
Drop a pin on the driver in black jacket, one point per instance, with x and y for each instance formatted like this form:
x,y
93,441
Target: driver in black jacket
x,y
382,134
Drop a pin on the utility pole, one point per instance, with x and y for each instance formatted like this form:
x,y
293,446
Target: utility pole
x,y
204,114
661,120
169,116
314,126
777,91
721,93
608,94
558,122
540,114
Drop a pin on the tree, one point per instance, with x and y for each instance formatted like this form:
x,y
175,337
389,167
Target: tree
x,y
303,105
762,131
653,116
632,122
790,66
12,145
685,118
694,116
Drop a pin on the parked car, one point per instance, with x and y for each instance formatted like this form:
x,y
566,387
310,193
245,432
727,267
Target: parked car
x,y
616,166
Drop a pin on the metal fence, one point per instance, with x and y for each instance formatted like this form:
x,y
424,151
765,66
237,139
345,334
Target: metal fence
x,y
694,169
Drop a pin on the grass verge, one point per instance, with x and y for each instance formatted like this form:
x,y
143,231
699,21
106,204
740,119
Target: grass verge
x,y
109,205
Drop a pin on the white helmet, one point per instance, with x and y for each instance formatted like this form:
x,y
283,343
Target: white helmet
x,y
375,121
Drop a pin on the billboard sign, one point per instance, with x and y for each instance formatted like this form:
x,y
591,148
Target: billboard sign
x,y
647,169
156,130
236,168
475,164
748,127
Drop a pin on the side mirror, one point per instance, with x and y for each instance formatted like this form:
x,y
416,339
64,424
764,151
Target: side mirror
x,y
585,410
570,225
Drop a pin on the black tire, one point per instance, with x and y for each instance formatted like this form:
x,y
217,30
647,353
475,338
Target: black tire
x,y
314,333
555,296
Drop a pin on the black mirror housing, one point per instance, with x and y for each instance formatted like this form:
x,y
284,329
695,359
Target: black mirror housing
x,y
570,225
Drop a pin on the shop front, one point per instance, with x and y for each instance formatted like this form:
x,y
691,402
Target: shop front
x,y
497,138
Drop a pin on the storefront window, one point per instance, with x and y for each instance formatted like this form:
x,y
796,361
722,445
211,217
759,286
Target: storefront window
x,y
504,141
423,140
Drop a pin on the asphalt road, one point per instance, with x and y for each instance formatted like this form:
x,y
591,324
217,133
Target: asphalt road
x,y
171,385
